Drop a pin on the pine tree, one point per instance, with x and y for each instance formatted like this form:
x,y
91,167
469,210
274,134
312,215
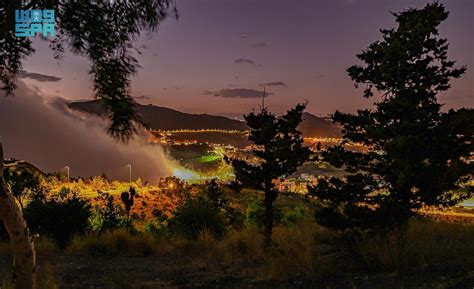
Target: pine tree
x,y
278,150
417,154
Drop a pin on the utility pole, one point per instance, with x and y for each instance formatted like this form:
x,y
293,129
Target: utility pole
x,y
263,99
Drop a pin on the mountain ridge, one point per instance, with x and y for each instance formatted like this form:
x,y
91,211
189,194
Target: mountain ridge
x,y
163,118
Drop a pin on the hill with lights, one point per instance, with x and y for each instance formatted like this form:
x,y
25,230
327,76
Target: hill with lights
x,y
162,118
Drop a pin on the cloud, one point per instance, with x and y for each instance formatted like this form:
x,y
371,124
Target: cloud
x,y
238,93
38,76
244,61
47,133
274,83
259,45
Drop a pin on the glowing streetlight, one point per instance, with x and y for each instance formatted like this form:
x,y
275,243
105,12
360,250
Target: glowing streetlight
x,y
130,172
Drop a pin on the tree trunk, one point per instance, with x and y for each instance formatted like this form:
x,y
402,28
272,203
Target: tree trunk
x,y
24,258
268,219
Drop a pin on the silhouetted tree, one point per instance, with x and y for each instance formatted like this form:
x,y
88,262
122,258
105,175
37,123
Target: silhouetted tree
x,y
417,155
128,200
103,31
22,183
278,149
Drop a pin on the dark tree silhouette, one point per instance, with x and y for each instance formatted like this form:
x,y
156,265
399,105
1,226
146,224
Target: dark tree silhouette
x,y
417,154
279,151
21,183
103,31
128,201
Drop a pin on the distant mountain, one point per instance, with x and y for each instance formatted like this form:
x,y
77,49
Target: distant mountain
x,y
319,127
162,118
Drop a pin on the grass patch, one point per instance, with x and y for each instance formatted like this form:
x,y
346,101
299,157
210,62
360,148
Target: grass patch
x,y
424,242
114,243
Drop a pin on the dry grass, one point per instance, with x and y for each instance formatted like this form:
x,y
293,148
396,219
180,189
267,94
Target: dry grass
x,y
305,249
43,245
45,279
424,243
115,243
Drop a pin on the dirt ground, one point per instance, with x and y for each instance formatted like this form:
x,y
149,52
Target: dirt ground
x,y
170,272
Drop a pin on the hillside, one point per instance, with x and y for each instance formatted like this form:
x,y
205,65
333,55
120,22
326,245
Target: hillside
x,y
319,127
23,165
162,118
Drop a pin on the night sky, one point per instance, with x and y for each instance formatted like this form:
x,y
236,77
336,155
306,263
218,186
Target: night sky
x,y
216,56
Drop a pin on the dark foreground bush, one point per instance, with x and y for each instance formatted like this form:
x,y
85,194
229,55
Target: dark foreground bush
x,y
195,216
59,218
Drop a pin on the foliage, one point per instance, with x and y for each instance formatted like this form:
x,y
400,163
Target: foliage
x,y
254,214
107,215
22,183
59,217
417,155
102,31
215,195
294,216
195,216
128,200
279,151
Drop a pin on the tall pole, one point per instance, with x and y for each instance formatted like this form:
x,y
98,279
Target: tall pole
x,y
130,173
67,168
263,99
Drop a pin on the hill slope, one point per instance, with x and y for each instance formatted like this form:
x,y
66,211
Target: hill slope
x,y
162,118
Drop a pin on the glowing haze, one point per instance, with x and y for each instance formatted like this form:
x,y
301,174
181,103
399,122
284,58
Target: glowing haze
x,y
45,132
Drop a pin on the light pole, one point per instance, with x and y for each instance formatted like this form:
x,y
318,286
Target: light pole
x,y
130,173
67,168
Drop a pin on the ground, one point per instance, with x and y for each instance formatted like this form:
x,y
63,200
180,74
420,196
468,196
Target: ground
x,y
179,272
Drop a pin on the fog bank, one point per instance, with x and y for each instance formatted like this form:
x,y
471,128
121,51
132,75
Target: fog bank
x,y
45,132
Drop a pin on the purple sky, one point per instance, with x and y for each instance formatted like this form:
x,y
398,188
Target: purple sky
x,y
217,46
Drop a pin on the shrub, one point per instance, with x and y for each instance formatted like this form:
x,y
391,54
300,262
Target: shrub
x,y
195,216
254,215
294,216
60,217
107,215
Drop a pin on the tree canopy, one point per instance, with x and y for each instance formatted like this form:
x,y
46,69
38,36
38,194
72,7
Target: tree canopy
x,y
418,155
